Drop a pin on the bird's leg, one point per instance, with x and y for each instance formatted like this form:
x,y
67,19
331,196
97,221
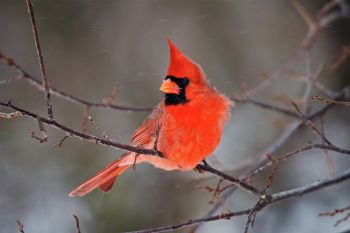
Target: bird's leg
x,y
134,165
197,169
205,163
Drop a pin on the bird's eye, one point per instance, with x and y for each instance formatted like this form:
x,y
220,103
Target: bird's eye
x,y
185,81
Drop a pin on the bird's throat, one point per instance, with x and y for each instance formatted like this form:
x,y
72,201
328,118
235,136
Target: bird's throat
x,y
174,99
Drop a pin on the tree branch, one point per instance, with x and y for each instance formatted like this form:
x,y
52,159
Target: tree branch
x,y
274,198
68,97
114,144
83,136
41,59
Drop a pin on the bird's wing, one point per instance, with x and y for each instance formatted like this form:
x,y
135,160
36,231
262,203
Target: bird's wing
x,y
147,132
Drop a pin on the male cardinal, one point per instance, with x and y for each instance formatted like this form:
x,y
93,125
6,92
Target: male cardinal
x,y
187,125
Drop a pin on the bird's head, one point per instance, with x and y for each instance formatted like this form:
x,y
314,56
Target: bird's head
x,y
184,79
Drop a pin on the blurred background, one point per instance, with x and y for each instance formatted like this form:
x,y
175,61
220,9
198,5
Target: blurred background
x,y
90,45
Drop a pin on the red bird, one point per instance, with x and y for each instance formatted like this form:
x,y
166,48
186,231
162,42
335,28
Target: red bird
x,y
190,120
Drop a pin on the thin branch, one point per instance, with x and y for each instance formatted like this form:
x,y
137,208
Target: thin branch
x,y
275,146
266,106
42,129
296,152
74,133
337,212
68,97
60,142
274,198
192,222
311,125
330,163
41,59
111,98
138,150
334,212
342,58
20,226
97,128
236,181
84,124
77,224
324,100
311,187
324,17
6,81
303,13
10,116
344,219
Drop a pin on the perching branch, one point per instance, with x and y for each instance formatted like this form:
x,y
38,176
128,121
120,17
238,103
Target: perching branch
x,y
83,136
106,142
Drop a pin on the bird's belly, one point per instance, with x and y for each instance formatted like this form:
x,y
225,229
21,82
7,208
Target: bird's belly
x,y
188,143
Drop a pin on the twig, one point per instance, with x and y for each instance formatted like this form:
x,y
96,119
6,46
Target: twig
x,y
84,124
311,187
345,54
344,219
324,17
192,222
330,164
98,129
77,224
274,198
324,100
216,191
111,98
20,226
303,13
252,214
311,125
43,131
275,146
337,212
60,142
68,97
266,106
238,182
40,57
296,152
270,178
86,137
10,116
138,150
6,81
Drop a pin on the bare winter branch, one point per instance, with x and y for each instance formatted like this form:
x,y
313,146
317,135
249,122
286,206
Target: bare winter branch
x,y
77,224
138,150
344,176
41,59
20,226
68,97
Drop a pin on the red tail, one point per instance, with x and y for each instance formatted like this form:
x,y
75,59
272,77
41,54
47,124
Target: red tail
x,y
104,179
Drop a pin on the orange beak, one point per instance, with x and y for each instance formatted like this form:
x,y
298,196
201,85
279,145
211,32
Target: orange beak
x,y
169,87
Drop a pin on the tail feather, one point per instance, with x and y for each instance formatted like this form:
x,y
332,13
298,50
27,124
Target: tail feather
x,y
104,179
105,187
